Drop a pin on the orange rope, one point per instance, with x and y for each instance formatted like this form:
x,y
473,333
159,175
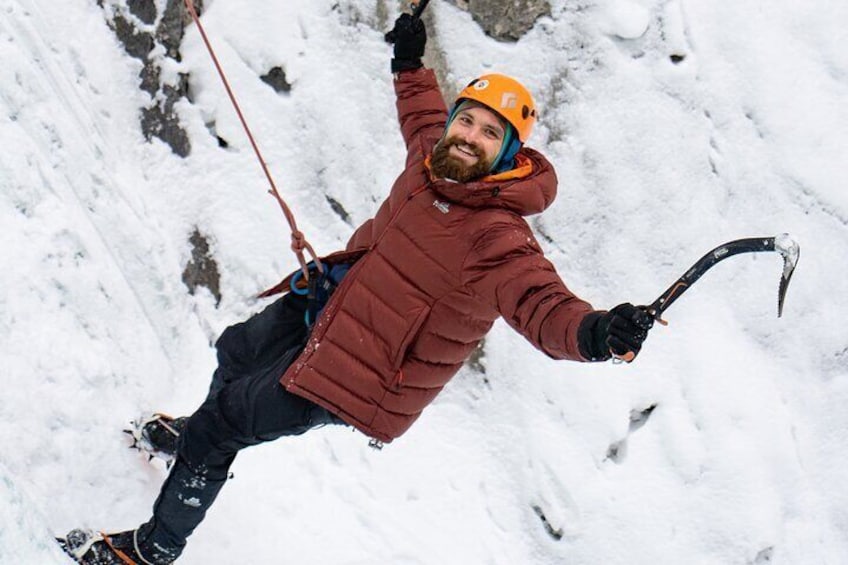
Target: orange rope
x,y
299,242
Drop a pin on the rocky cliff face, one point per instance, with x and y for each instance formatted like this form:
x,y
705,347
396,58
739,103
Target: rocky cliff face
x,y
505,20
153,35
152,32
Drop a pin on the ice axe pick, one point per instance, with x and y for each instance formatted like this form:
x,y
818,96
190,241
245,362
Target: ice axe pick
x,y
783,244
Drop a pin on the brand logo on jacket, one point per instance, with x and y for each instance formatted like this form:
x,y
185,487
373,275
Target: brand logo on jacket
x,y
442,207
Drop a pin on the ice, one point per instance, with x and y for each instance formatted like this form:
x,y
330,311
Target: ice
x,y
742,459
624,19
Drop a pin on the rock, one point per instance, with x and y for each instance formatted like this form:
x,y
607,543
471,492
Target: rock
x,y
145,10
505,20
276,77
171,29
159,119
202,270
137,44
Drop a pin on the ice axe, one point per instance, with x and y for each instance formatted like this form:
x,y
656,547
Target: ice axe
x,y
417,10
783,244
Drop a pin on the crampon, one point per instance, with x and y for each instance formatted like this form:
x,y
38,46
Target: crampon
x,y
89,547
156,436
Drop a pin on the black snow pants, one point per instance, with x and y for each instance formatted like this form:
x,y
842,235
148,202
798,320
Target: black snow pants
x,y
246,406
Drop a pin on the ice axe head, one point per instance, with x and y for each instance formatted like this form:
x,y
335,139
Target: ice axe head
x,y
418,7
791,251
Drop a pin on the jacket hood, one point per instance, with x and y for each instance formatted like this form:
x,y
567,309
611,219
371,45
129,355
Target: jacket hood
x,y
528,189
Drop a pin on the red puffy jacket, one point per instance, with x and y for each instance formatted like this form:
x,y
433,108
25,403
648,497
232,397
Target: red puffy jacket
x,y
436,266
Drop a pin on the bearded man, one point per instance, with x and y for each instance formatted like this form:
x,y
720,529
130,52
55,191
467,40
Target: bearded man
x,y
395,314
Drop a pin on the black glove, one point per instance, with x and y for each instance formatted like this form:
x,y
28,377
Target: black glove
x,y
409,36
620,331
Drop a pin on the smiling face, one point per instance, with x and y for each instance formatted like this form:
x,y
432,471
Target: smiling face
x,y
470,145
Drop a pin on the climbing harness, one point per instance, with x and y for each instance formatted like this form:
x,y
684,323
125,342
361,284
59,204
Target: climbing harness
x,y
299,243
318,289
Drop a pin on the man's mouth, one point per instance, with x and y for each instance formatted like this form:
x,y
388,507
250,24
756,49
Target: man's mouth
x,y
464,152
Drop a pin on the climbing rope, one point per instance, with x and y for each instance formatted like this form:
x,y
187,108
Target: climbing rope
x,y
299,243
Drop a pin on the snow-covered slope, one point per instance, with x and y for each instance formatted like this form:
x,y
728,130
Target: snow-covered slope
x,y
674,126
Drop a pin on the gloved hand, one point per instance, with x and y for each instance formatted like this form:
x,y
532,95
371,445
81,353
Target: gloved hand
x,y
409,36
620,331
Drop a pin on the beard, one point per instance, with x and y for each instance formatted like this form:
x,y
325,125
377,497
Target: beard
x,y
444,165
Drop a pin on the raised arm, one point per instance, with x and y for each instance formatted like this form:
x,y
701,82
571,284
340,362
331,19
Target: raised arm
x,y
421,108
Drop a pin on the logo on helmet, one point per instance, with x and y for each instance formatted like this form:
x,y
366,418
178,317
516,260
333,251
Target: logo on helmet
x,y
481,84
509,100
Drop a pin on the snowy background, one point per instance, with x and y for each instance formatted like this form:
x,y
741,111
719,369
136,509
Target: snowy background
x,y
743,459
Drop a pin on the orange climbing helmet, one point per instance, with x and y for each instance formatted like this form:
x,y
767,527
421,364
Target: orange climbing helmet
x,y
507,97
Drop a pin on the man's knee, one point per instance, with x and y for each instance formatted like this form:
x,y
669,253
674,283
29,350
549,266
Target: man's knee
x,y
209,442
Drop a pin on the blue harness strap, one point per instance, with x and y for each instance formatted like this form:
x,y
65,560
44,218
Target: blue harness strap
x,y
320,288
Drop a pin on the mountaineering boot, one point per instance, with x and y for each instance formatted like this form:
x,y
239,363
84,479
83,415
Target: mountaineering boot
x,y
157,435
88,547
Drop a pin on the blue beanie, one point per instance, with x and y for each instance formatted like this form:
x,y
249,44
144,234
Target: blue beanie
x,y
505,161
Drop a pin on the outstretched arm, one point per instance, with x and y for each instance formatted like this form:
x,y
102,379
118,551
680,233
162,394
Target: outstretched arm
x,y
507,268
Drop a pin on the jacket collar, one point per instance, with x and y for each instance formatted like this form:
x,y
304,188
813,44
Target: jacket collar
x,y
527,189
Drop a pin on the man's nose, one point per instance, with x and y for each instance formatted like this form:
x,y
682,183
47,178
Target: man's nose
x,y
471,136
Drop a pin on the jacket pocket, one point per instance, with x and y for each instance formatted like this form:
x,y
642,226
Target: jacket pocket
x,y
408,339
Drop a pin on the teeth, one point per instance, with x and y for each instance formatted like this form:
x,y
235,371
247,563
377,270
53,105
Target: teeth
x,y
465,149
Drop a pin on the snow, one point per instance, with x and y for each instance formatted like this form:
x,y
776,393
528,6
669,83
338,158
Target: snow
x,y
626,20
742,133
